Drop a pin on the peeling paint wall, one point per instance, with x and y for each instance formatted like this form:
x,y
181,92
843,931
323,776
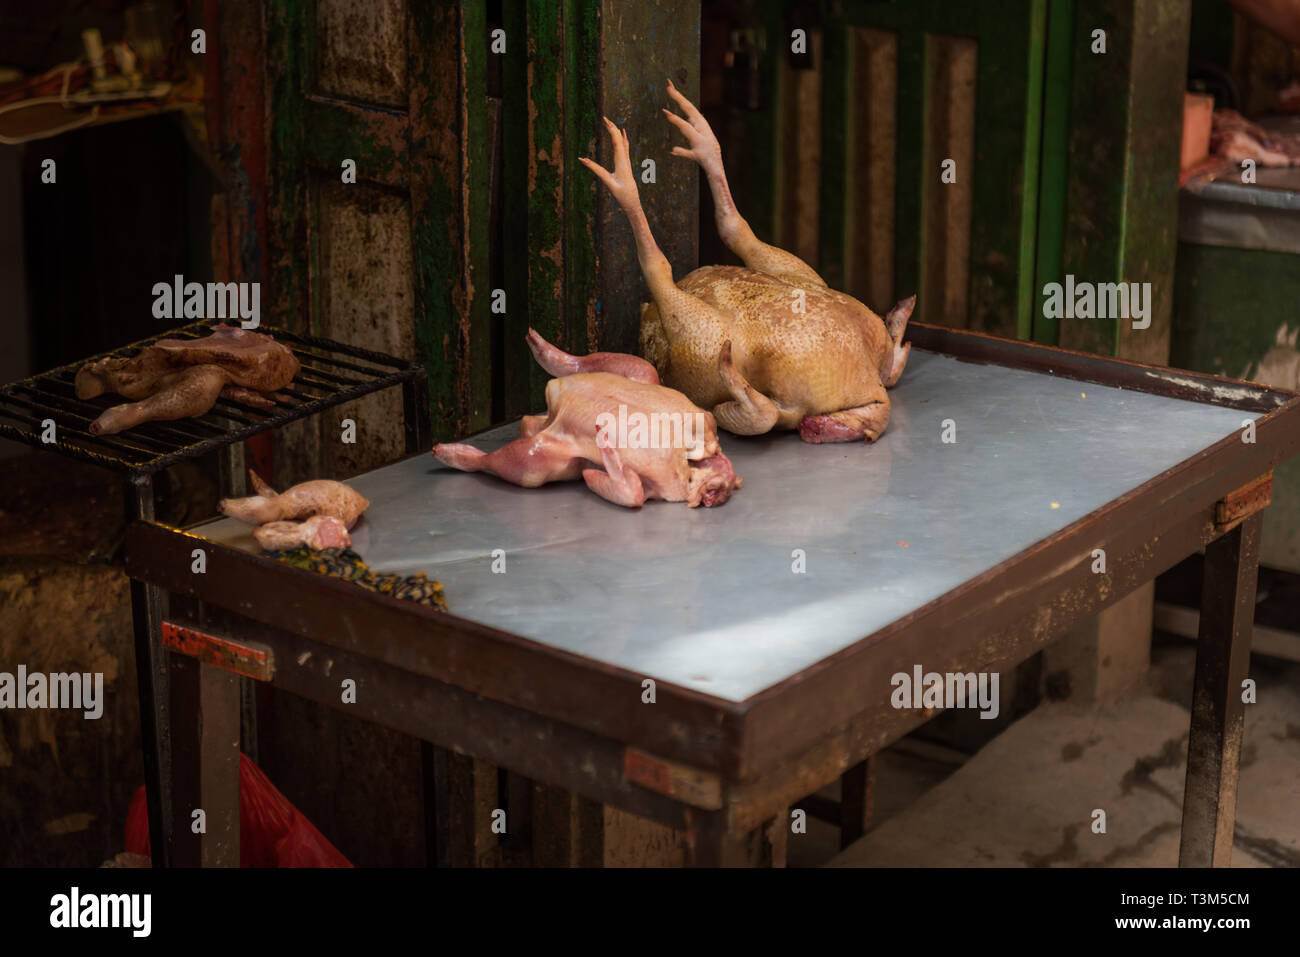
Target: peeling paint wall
x,y
364,298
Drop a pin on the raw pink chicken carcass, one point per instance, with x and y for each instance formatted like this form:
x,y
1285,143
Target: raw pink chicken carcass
x,y
330,510
572,440
182,378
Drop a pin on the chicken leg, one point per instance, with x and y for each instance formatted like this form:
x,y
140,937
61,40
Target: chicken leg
x,y
750,412
732,227
680,311
180,395
617,484
530,460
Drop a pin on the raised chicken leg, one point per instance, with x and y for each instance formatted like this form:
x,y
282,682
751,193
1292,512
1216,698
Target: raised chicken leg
x,y
735,232
679,309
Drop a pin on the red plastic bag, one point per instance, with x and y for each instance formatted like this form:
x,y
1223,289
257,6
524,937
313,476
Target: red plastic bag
x,y
272,832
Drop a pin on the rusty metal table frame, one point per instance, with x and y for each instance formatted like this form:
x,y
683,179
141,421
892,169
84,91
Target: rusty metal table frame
x,y
726,772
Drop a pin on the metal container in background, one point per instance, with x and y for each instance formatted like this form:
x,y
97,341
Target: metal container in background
x,y
1237,306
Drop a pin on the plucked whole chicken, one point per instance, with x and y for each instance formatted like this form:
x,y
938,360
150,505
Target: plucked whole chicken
x,y
584,434
767,346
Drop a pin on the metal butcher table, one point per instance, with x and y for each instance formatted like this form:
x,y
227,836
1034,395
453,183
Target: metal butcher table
x,y
771,626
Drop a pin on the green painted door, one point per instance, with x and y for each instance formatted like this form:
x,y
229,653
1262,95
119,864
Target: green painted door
x,y
379,202
953,93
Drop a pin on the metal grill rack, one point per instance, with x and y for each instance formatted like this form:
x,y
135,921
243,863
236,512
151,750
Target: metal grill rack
x,y
332,373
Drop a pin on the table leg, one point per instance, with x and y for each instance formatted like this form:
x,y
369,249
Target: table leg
x,y
147,609
433,760
431,771
460,798
1218,714
568,829
415,414
857,796
708,843
232,466
205,763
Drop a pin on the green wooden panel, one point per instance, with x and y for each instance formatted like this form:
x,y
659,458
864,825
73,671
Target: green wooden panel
x,y
436,221
286,226
547,88
1007,142
755,182
374,138
641,45
1231,307
550,119
435,152
1122,193
515,150
910,182
836,138
1004,214
582,126
471,187
1229,304
751,138
1052,182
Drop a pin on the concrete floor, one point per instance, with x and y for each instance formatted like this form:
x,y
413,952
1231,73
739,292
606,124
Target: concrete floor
x,y
1029,797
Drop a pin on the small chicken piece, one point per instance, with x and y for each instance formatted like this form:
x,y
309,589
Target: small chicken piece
x,y
765,346
584,434
318,497
319,531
